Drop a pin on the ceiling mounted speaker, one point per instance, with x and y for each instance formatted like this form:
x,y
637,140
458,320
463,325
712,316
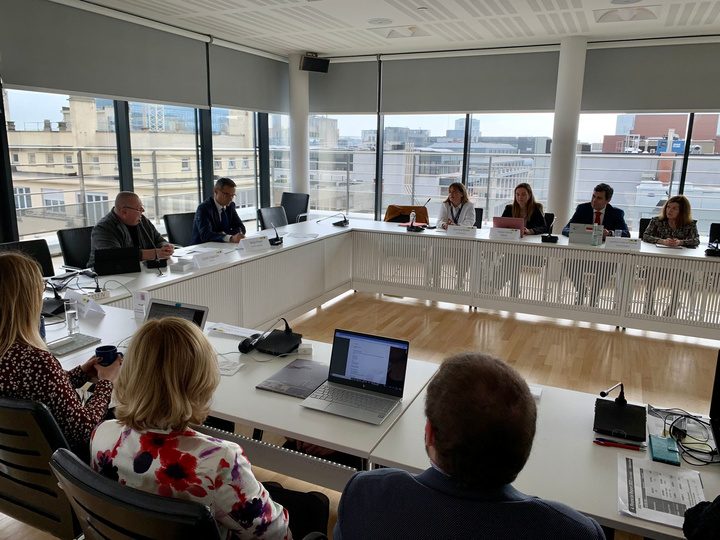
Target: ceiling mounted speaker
x,y
313,63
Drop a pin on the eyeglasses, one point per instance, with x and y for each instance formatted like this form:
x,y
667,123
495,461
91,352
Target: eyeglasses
x,y
231,195
141,209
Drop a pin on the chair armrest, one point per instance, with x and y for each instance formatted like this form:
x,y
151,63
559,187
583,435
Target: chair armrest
x,y
303,215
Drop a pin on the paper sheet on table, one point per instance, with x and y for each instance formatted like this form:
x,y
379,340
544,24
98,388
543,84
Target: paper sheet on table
x,y
229,366
302,235
223,329
195,250
656,492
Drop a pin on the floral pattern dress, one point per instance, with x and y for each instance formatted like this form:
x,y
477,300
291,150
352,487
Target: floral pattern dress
x,y
191,466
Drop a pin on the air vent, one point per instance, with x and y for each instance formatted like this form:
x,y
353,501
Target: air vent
x,y
396,32
626,14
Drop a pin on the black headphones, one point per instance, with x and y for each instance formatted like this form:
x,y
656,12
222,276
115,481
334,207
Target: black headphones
x,y
248,344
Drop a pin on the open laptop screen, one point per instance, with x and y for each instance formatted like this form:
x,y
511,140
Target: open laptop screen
x,y
510,223
165,308
369,362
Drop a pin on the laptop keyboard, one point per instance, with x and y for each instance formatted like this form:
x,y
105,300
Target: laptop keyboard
x,y
71,343
353,399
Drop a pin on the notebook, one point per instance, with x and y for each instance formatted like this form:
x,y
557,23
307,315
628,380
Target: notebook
x,y
715,406
510,223
366,378
167,308
299,378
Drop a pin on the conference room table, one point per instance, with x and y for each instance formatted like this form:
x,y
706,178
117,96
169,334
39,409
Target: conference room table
x,y
564,464
318,262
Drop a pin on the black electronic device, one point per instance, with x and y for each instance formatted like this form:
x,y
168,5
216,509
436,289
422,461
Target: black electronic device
x,y
156,263
117,261
277,241
342,223
53,306
618,418
311,62
549,237
278,342
249,344
417,228
715,406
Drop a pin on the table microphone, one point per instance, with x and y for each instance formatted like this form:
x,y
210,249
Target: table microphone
x,y
620,400
342,223
417,228
549,236
158,262
277,241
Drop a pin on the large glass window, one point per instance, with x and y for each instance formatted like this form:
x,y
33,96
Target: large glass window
x,y
279,136
164,140
342,164
65,148
233,141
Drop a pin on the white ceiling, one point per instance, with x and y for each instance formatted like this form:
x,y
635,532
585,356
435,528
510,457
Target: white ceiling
x,y
341,27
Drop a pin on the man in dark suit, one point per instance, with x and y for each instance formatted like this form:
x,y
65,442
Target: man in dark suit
x,y
597,273
216,219
479,431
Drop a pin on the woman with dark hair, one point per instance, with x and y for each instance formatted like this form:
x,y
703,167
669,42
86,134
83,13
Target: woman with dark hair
x,y
524,206
674,226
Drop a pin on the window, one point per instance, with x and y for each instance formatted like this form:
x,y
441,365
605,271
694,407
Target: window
x,y
95,162
136,163
97,206
185,164
231,164
54,200
68,161
49,159
217,164
245,163
15,158
22,198
31,159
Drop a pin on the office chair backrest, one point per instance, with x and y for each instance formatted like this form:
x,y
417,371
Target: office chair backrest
x,y
401,214
28,490
549,220
296,206
644,222
37,249
179,228
75,246
714,232
109,510
478,217
272,216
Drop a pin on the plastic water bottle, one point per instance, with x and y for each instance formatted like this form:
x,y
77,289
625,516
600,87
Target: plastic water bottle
x,y
595,239
412,217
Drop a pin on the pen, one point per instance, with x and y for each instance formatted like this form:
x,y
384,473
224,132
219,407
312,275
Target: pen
x,y
639,445
616,445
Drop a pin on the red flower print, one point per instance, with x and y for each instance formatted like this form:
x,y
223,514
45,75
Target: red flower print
x,y
154,443
178,471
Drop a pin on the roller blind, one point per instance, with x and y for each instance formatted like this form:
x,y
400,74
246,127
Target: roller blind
x,y
658,78
47,46
345,88
245,81
503,82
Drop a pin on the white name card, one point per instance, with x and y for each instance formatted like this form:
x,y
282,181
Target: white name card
x,y
210,258
504,234
458,230
256,242
623,244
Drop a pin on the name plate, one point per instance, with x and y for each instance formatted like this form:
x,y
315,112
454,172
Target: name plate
x,y
457,230
623,244
256,242
210,258
504,234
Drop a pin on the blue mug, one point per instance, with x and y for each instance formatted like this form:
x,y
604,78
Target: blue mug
x,y
107,354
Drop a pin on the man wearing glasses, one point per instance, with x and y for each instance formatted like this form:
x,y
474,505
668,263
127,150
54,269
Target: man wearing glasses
x,y
126,226
216,219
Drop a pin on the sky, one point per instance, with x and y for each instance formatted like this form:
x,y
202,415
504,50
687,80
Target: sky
x,y
34,107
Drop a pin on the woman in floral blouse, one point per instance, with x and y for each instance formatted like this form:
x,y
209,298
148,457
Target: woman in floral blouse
x,y
674,226
29,371
169,375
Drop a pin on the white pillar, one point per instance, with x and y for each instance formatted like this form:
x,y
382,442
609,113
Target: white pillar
x,y
299,140
571,71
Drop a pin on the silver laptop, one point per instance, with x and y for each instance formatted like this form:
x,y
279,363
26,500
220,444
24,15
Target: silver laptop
x,y
580,233
366,377
167,308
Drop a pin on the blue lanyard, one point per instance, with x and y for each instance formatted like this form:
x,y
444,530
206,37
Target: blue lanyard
x,y
452,214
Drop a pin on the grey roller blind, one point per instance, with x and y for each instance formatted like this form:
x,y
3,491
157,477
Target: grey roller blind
x,y
345,88
54,47
660,78
504,82
244,81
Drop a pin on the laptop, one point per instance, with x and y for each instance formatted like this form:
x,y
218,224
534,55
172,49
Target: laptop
x,y
715,406
580,233
157,309
366,378
117,261
510,223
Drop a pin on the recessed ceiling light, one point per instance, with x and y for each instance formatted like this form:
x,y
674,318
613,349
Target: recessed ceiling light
x,y
422,8
624,1
380,22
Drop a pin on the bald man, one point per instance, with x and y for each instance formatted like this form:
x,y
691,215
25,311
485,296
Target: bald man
x,y
126,226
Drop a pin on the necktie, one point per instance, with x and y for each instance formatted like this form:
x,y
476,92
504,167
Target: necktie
x,y
597,217
225,221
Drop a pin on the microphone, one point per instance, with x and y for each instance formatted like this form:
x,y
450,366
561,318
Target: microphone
x,y
620,400
549,236
248,344
342,223
158,262
277,241
417,228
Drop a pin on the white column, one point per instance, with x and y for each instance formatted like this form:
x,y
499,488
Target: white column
x,y
299,140
571,71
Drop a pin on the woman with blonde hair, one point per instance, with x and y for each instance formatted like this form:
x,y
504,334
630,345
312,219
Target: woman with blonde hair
x,y
674,226
29,371
457,208
524,206
169,375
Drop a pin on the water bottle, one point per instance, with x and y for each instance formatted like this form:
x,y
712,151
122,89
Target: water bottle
x,y
412,217
595,239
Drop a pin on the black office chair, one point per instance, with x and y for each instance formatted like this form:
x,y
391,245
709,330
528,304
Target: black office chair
x,y
478,217
75,246
110,510
296,206
28,490
644,222
179,228
549,220
37,249
714,233
272,216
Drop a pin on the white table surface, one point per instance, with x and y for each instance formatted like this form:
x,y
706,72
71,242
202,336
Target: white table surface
x,y
564,464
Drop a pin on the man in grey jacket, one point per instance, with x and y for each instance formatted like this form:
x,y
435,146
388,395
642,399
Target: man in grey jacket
x,y
125,226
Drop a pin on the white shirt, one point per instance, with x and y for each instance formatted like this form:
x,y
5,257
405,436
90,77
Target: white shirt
x,y
466,218
219,207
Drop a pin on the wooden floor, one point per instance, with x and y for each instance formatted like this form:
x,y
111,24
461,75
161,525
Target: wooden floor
x,y
664,370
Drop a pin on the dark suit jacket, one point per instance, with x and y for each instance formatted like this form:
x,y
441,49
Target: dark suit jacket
x,y
390,504
614,218
110,233
536,223
207,226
